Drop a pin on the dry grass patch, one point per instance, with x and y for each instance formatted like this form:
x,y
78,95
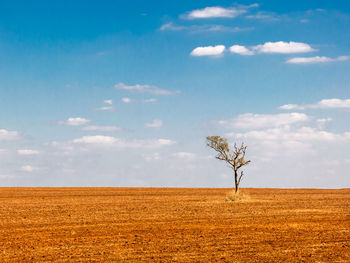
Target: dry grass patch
x,y
237,197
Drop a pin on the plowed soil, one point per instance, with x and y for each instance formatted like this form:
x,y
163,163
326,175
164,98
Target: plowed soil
x,y
173,225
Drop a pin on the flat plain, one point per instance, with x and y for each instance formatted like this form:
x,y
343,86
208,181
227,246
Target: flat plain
x,y
173,225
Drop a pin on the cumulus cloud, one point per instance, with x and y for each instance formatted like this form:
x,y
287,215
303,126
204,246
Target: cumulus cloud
x,y
145,89
102,128
283,47
126,100
291,144
290,107
208,51
296,156
110,102
253,121
27,152
291,141
288,134
6,135
106,108
242,50
322,104
101,140
315,60
333,103
97,139
279,47
75,121
215,12
154,124
129,100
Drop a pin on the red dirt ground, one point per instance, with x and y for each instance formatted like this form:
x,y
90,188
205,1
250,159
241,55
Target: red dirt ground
x,y
173,225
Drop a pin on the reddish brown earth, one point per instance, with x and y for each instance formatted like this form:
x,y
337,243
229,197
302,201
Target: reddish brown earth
x,y
173,225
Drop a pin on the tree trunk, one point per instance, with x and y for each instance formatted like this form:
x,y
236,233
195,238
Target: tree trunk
x,y
236,181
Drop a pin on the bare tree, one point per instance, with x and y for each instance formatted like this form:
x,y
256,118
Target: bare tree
x,y
234,158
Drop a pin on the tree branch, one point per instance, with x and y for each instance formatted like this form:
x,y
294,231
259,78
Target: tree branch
x,y
240,178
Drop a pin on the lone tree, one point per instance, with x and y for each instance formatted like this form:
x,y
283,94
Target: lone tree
x,y
234,158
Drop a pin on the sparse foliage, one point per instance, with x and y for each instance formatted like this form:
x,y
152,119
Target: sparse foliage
x,y
235,158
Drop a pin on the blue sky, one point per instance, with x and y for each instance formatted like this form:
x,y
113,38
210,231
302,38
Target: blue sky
x,y
123,94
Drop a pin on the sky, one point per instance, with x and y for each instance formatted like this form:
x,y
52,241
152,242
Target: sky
x,y
124,93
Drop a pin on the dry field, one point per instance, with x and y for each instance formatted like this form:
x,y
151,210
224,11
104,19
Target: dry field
x,y
173,225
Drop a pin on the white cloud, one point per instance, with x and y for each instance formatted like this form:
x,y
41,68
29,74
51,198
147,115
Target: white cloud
x,y
162,142
272,17
295,150
27,152
6,135
333,103
315,60
283,47
110,102
215,12
274,47
97,139
208,51
101,140
184,155
249,6
321,123
126,100
289,107
322,104
221,28
309,60
287,144
242,50
102,128
106,108
154,124
145,89
202,28
253,121
170,26
75,121
288,134
27,168
149,100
